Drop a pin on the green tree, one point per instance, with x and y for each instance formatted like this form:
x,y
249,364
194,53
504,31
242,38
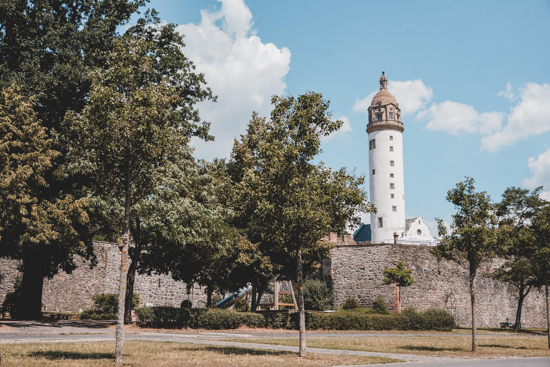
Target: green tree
x,y
42,233
540,235
131,141
401,277
473,236
514,215
317,296
286,203
46,47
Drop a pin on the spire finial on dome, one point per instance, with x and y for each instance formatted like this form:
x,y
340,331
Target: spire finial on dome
x,y
383,81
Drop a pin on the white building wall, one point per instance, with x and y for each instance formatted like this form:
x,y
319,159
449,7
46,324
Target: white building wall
x,y
380,189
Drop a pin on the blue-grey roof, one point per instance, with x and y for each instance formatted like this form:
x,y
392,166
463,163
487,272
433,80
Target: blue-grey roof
x,y
363,233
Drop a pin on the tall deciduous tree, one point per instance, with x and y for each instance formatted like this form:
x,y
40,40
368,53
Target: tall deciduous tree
x,y
473,236
540,240
42,233
287,203
514,215
46,47
131,141
401,277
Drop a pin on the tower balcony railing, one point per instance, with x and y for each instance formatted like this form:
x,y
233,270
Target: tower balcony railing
x,y
381,124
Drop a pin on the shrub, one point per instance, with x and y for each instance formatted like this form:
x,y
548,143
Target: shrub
x,y
366,310
97,315
379,304
350,304
164,317
213,319
241,304
108,302
13,299
431,319
317,296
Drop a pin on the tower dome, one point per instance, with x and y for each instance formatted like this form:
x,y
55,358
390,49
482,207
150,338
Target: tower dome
x,y
384,96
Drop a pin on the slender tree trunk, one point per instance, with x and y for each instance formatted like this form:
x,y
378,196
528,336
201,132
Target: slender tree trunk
x,y
253,304
122,280
547,313
521,299
302,314
134,257
398,299
30,304
473,299
209,296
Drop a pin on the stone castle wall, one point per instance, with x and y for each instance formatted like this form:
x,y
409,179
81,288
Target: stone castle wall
x,y
73,292
356,271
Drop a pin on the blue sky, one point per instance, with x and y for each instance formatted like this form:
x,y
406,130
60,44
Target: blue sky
x,y
472,79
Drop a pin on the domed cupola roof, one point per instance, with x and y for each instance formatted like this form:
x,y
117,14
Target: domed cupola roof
x,y
384,96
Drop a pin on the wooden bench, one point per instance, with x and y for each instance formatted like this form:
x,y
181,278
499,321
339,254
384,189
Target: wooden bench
x,y
504,325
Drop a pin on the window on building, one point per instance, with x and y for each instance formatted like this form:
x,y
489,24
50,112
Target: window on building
x,y
391,149
419,221
373,172
392,196
391,175
392,186
394,208
372,144
419,232
380,222
379,117
392,164
391,115
370,117
391,137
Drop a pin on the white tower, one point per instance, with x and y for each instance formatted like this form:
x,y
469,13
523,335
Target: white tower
x,y
387,186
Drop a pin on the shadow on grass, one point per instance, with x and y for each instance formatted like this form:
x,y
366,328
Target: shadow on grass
x,y
500,346
56,355
238,351
430,349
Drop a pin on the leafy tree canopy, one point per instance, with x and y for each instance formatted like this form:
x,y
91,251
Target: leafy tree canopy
x,y
399,275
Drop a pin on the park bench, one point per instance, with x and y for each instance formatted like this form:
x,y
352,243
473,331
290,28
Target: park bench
x,y
509,325
504,325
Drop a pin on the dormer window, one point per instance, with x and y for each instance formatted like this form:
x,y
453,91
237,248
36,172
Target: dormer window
x,y
379,117
379,103
391,115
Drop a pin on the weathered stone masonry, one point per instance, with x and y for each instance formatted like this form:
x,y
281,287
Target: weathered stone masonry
x,y
73,292
357,271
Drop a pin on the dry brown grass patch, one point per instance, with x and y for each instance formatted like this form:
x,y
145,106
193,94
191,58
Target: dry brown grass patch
x,y
437,346
163,354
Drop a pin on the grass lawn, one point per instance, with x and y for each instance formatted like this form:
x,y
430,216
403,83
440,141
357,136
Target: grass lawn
x,y
438,346
165,354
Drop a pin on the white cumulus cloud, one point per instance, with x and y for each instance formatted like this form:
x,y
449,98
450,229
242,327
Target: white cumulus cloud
x,y
412,95
540,167
531,116
458,118
242,71
508,94
344,130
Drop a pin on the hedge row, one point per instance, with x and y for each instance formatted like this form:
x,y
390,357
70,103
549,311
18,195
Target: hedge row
x,y
169,317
